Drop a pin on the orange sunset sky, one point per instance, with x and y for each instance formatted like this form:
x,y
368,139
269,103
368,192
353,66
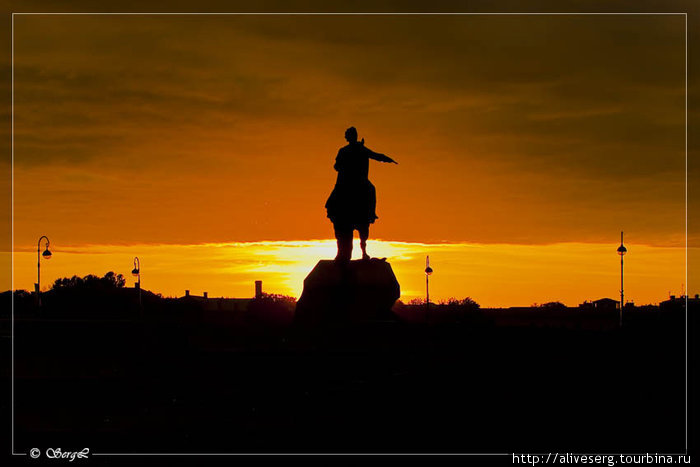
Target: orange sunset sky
x,y
205,145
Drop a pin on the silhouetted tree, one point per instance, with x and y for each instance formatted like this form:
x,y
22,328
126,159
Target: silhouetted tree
x,y
465,303
90,296
552,306
416,302
116,279
109,281
272,309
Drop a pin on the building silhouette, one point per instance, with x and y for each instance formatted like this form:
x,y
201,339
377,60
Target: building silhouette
x,y
207,303
602,304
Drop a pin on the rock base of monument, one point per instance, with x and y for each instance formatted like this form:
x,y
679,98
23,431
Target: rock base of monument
x,y
347,292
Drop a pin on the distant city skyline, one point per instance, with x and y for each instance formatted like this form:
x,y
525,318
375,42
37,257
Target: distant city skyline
x,y
493,275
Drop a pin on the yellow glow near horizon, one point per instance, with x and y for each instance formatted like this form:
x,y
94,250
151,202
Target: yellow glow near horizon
x,y
493,274
520,157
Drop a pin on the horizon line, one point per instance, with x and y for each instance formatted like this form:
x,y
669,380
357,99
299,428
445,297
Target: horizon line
x,y
301,242
374,13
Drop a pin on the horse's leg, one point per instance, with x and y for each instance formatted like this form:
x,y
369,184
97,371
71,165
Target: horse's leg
x,y
364,235
343,236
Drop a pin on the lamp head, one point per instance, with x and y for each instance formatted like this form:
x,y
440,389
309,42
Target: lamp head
x,y
46,254
621,250
428,270
135,271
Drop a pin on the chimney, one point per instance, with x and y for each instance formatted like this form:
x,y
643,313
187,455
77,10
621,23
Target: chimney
x,y
206,295
187,293
137,285
258,289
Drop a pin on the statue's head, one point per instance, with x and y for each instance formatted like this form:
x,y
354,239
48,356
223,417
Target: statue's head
x,y
351,135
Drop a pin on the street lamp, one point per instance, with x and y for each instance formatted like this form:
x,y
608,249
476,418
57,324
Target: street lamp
x,y
428,272
47,255
137,273
621,250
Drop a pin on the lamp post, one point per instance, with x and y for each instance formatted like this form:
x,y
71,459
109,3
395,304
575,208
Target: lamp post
x,y
47,255
137,273
621,250
428,272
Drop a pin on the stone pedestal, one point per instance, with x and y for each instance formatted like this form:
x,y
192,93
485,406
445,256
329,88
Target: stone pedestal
x,y
352,292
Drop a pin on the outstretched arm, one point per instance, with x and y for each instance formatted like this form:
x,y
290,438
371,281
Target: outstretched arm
x,y
379,157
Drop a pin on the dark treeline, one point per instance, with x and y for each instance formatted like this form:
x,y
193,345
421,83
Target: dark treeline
x,y
96,367
94,297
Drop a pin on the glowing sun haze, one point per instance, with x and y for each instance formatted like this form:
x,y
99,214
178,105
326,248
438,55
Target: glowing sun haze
x,y
207,144
494,274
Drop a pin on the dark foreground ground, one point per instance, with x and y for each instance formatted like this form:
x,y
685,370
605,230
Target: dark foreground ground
x,y
151,386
